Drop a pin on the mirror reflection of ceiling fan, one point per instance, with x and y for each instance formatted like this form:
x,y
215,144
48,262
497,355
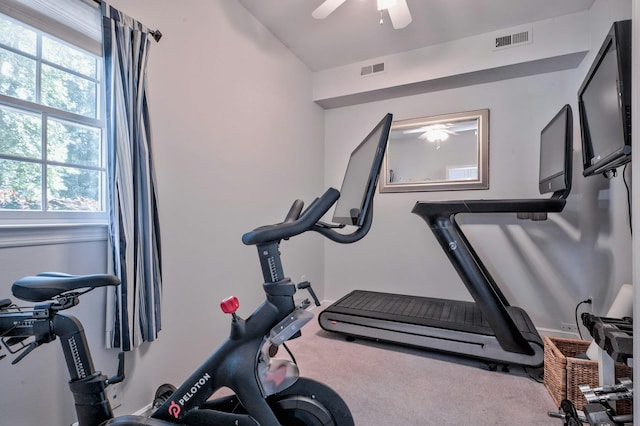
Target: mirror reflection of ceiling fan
x,y
397,9
440,132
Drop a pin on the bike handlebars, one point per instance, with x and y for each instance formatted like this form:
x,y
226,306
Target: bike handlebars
x,y
292,227
356,235
298,221
294,211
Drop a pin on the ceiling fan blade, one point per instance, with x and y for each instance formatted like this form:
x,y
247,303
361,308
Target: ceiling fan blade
x,y
326,8
399,14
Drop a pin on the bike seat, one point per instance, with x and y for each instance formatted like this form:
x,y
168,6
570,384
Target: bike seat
x,y
47,285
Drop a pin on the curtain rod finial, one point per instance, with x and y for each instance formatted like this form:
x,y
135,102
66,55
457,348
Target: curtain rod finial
x,y
157,35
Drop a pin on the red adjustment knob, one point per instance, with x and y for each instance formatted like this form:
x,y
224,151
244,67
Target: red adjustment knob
x,y
230,305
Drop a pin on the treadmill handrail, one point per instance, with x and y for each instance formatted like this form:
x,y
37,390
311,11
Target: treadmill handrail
x,y
440,216
531,205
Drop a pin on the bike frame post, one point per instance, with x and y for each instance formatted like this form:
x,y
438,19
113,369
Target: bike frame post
x,y
270,262
86,385
278,289
44,322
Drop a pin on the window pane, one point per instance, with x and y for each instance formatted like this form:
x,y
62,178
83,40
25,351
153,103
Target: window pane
x,y
51,155
73,143
73,189
68,57
17,76
20,185
17,36
68,92
20,133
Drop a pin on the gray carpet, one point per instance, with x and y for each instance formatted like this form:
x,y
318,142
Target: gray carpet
x,y
390,385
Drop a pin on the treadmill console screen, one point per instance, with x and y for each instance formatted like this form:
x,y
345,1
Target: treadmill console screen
x,y
361,177
556,146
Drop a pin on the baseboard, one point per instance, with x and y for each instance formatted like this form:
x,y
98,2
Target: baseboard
x,y
551,332
144,411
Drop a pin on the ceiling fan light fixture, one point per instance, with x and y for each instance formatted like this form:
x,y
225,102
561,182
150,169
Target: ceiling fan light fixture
x,y
436,135
397,9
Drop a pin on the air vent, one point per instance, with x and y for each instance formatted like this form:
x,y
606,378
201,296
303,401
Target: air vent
x,y
503,41
522,37
371,69
513,39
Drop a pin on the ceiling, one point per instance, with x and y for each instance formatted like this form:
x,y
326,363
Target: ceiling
x,y
352,33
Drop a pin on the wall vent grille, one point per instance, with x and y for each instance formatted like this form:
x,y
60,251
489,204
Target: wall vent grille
x,y
522,37
503,41
513,39
371,69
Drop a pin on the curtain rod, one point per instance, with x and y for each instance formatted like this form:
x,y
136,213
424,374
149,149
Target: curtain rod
x,y
157,35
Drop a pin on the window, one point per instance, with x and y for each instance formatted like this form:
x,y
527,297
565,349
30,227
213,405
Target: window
x,y
52,150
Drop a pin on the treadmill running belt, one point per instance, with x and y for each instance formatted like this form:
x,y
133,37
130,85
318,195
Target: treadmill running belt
x,y
423,311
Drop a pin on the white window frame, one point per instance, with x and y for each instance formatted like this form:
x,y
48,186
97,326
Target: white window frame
x,y
47,219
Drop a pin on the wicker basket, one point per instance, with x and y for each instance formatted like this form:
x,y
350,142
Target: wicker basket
x,y
563,373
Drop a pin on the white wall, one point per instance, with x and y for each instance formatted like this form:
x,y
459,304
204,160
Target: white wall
x,y
237,138
556,44
544,267
636,181
35,390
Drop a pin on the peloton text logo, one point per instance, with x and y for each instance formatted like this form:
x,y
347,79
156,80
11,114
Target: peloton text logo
x,y
175,409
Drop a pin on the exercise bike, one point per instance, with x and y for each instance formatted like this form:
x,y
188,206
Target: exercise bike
x,y
267,391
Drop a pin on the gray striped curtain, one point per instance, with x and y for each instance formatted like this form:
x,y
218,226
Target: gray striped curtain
x,y
133,308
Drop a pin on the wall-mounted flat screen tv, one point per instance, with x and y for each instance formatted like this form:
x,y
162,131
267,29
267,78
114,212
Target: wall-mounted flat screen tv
x,y
604,104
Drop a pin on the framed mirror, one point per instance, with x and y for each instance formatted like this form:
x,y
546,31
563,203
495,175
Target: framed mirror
x,y
444,152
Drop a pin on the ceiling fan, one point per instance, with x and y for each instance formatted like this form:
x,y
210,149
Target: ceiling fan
x,y
397,9
440,132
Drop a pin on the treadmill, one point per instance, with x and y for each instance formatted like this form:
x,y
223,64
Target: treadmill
x,y
489,329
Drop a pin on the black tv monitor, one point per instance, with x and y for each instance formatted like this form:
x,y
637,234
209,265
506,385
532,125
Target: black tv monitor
x,y
556,147
361,177
604,104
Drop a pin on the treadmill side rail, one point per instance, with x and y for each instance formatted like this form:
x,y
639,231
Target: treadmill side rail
x,y
440,216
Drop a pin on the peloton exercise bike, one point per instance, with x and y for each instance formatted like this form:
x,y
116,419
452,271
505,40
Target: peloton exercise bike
x,y
489,329
267,391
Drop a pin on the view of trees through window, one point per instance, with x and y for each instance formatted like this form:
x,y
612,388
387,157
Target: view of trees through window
x,y
51,129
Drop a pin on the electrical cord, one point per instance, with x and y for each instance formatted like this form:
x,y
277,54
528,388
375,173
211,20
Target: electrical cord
x,y
587,301
626,184
537,377
293,358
